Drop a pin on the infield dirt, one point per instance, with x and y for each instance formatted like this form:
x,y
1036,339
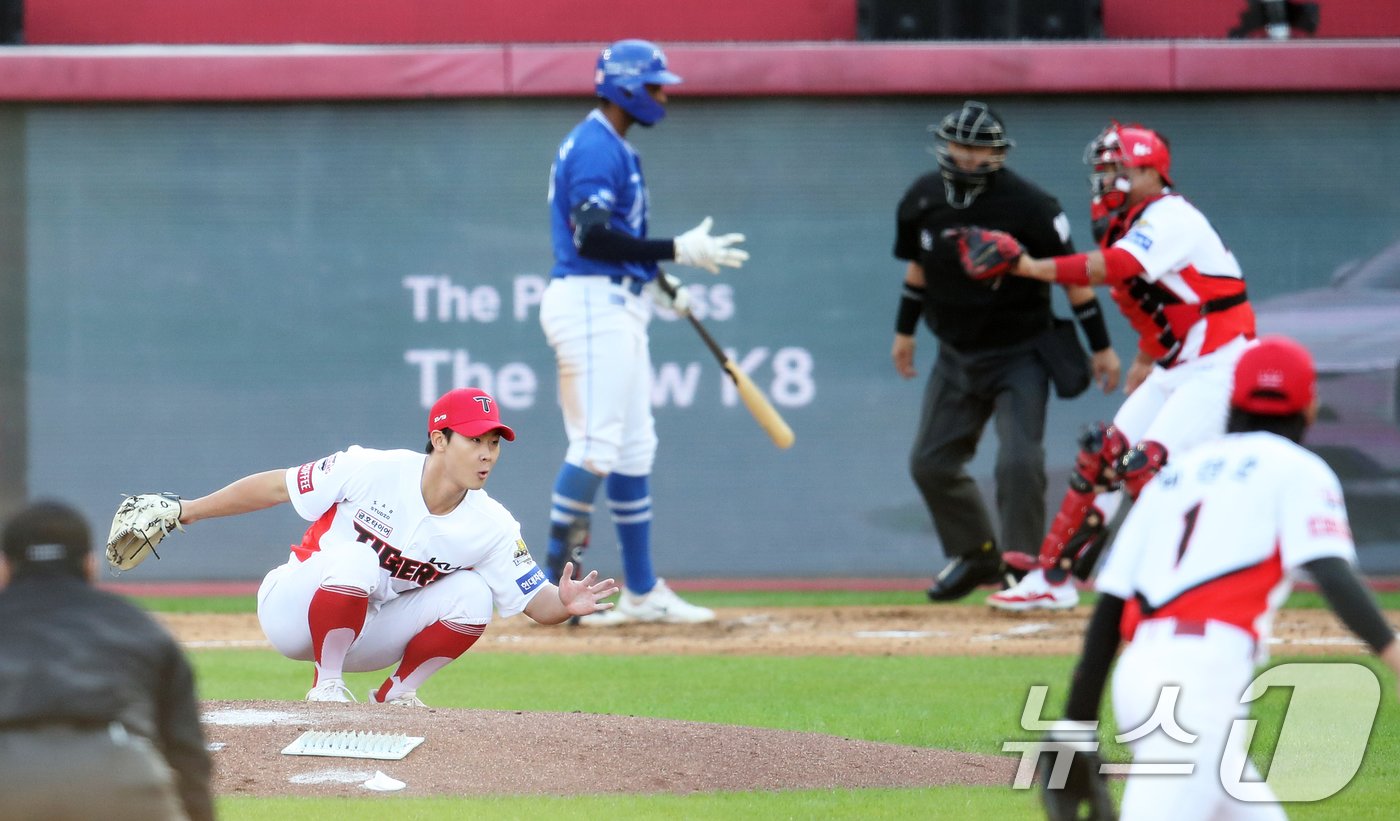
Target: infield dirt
x,y
480,752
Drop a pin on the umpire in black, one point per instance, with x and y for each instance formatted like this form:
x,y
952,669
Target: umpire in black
x,y
994,338
98,717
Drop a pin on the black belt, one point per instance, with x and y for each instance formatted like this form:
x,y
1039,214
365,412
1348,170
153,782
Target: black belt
x,y
1210,306
1223,303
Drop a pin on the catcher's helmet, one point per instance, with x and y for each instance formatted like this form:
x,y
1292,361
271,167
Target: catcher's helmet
x,y
1129,146
625,69
974,124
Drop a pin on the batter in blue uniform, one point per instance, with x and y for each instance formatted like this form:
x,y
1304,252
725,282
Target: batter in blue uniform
x,y
595,314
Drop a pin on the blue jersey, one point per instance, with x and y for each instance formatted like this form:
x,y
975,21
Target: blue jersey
x,y
596,164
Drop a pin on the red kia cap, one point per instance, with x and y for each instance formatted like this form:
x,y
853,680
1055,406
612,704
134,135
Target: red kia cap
x,y
468,411
1275,377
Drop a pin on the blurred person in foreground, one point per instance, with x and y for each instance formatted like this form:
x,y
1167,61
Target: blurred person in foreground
x,y
98,717
1193,585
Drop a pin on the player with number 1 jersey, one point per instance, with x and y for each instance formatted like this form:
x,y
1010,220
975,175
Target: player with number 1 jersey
x,y
1193,582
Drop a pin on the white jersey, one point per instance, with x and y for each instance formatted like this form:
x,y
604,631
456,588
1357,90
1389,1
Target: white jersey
x,y
363,499
1182,254
1217,534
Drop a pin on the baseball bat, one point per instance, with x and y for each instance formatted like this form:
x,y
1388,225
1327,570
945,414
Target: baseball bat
x,y
762,410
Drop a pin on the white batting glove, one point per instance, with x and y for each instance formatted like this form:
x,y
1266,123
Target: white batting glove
x,y
680,303
699,248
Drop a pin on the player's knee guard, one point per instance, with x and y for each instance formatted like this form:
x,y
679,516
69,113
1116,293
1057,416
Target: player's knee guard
x,y
1101,449
1082,550
574,537
1139,464
1076,537
1076,531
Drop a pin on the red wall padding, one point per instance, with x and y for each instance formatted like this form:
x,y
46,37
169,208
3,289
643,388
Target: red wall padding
x,y
108,22
176,73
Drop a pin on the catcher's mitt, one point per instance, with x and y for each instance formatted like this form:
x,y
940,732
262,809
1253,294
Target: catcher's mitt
x,y
985,253
141,522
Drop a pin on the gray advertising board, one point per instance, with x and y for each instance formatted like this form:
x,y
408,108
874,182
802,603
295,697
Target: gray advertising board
x,y
216,290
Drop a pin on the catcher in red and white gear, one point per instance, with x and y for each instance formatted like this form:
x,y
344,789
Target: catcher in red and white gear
x,y
1184,293
406,557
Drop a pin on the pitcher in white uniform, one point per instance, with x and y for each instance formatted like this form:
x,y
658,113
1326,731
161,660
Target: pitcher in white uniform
x,y
1196,576
406,557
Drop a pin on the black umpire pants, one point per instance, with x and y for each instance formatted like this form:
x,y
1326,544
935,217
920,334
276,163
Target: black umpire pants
x,y
964,391
64,773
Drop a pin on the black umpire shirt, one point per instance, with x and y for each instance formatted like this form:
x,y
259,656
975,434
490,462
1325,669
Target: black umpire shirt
x,y
964,313
72,654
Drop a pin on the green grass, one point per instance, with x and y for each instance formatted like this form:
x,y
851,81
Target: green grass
x,y
918,700
970,704
952,803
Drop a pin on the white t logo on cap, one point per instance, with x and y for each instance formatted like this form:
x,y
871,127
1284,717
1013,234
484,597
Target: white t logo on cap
x,y
485,403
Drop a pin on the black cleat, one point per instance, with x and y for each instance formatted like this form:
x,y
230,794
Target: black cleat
x,y
963,575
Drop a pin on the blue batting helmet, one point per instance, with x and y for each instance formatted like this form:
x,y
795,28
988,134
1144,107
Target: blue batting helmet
x,y
625,69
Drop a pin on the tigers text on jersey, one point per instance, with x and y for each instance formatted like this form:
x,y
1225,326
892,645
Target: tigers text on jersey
x,y
1217,533
1187,262
365,499
596,164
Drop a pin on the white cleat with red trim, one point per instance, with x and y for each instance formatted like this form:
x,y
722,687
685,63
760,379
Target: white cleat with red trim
x,y
1035,592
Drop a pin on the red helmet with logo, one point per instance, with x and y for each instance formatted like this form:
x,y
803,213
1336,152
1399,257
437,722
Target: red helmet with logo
x,y
1128,146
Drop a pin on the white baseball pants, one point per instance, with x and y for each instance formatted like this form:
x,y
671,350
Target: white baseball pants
x,y
599,334
284,601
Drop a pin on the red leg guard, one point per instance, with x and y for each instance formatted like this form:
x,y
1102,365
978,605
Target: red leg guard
x,y
1101,449
1140,464
1078,522
1066,524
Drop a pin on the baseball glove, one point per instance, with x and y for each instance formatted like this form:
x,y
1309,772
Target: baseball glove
x,y
1084,791
139,525
985,253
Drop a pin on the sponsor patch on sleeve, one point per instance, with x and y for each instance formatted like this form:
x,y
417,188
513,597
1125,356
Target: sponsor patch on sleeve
x,y
1139,239
304,485
1325,526
530,580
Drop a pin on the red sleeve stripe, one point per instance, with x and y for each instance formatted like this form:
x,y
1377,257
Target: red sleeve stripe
x,y
1119,266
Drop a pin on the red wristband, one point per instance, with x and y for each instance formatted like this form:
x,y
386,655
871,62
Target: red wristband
x,y
1072,269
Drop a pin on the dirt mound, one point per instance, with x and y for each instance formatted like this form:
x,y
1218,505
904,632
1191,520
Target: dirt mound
x,y
480,752
484,752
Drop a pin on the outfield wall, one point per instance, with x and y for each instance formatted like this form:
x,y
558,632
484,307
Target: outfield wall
x,y
213,289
